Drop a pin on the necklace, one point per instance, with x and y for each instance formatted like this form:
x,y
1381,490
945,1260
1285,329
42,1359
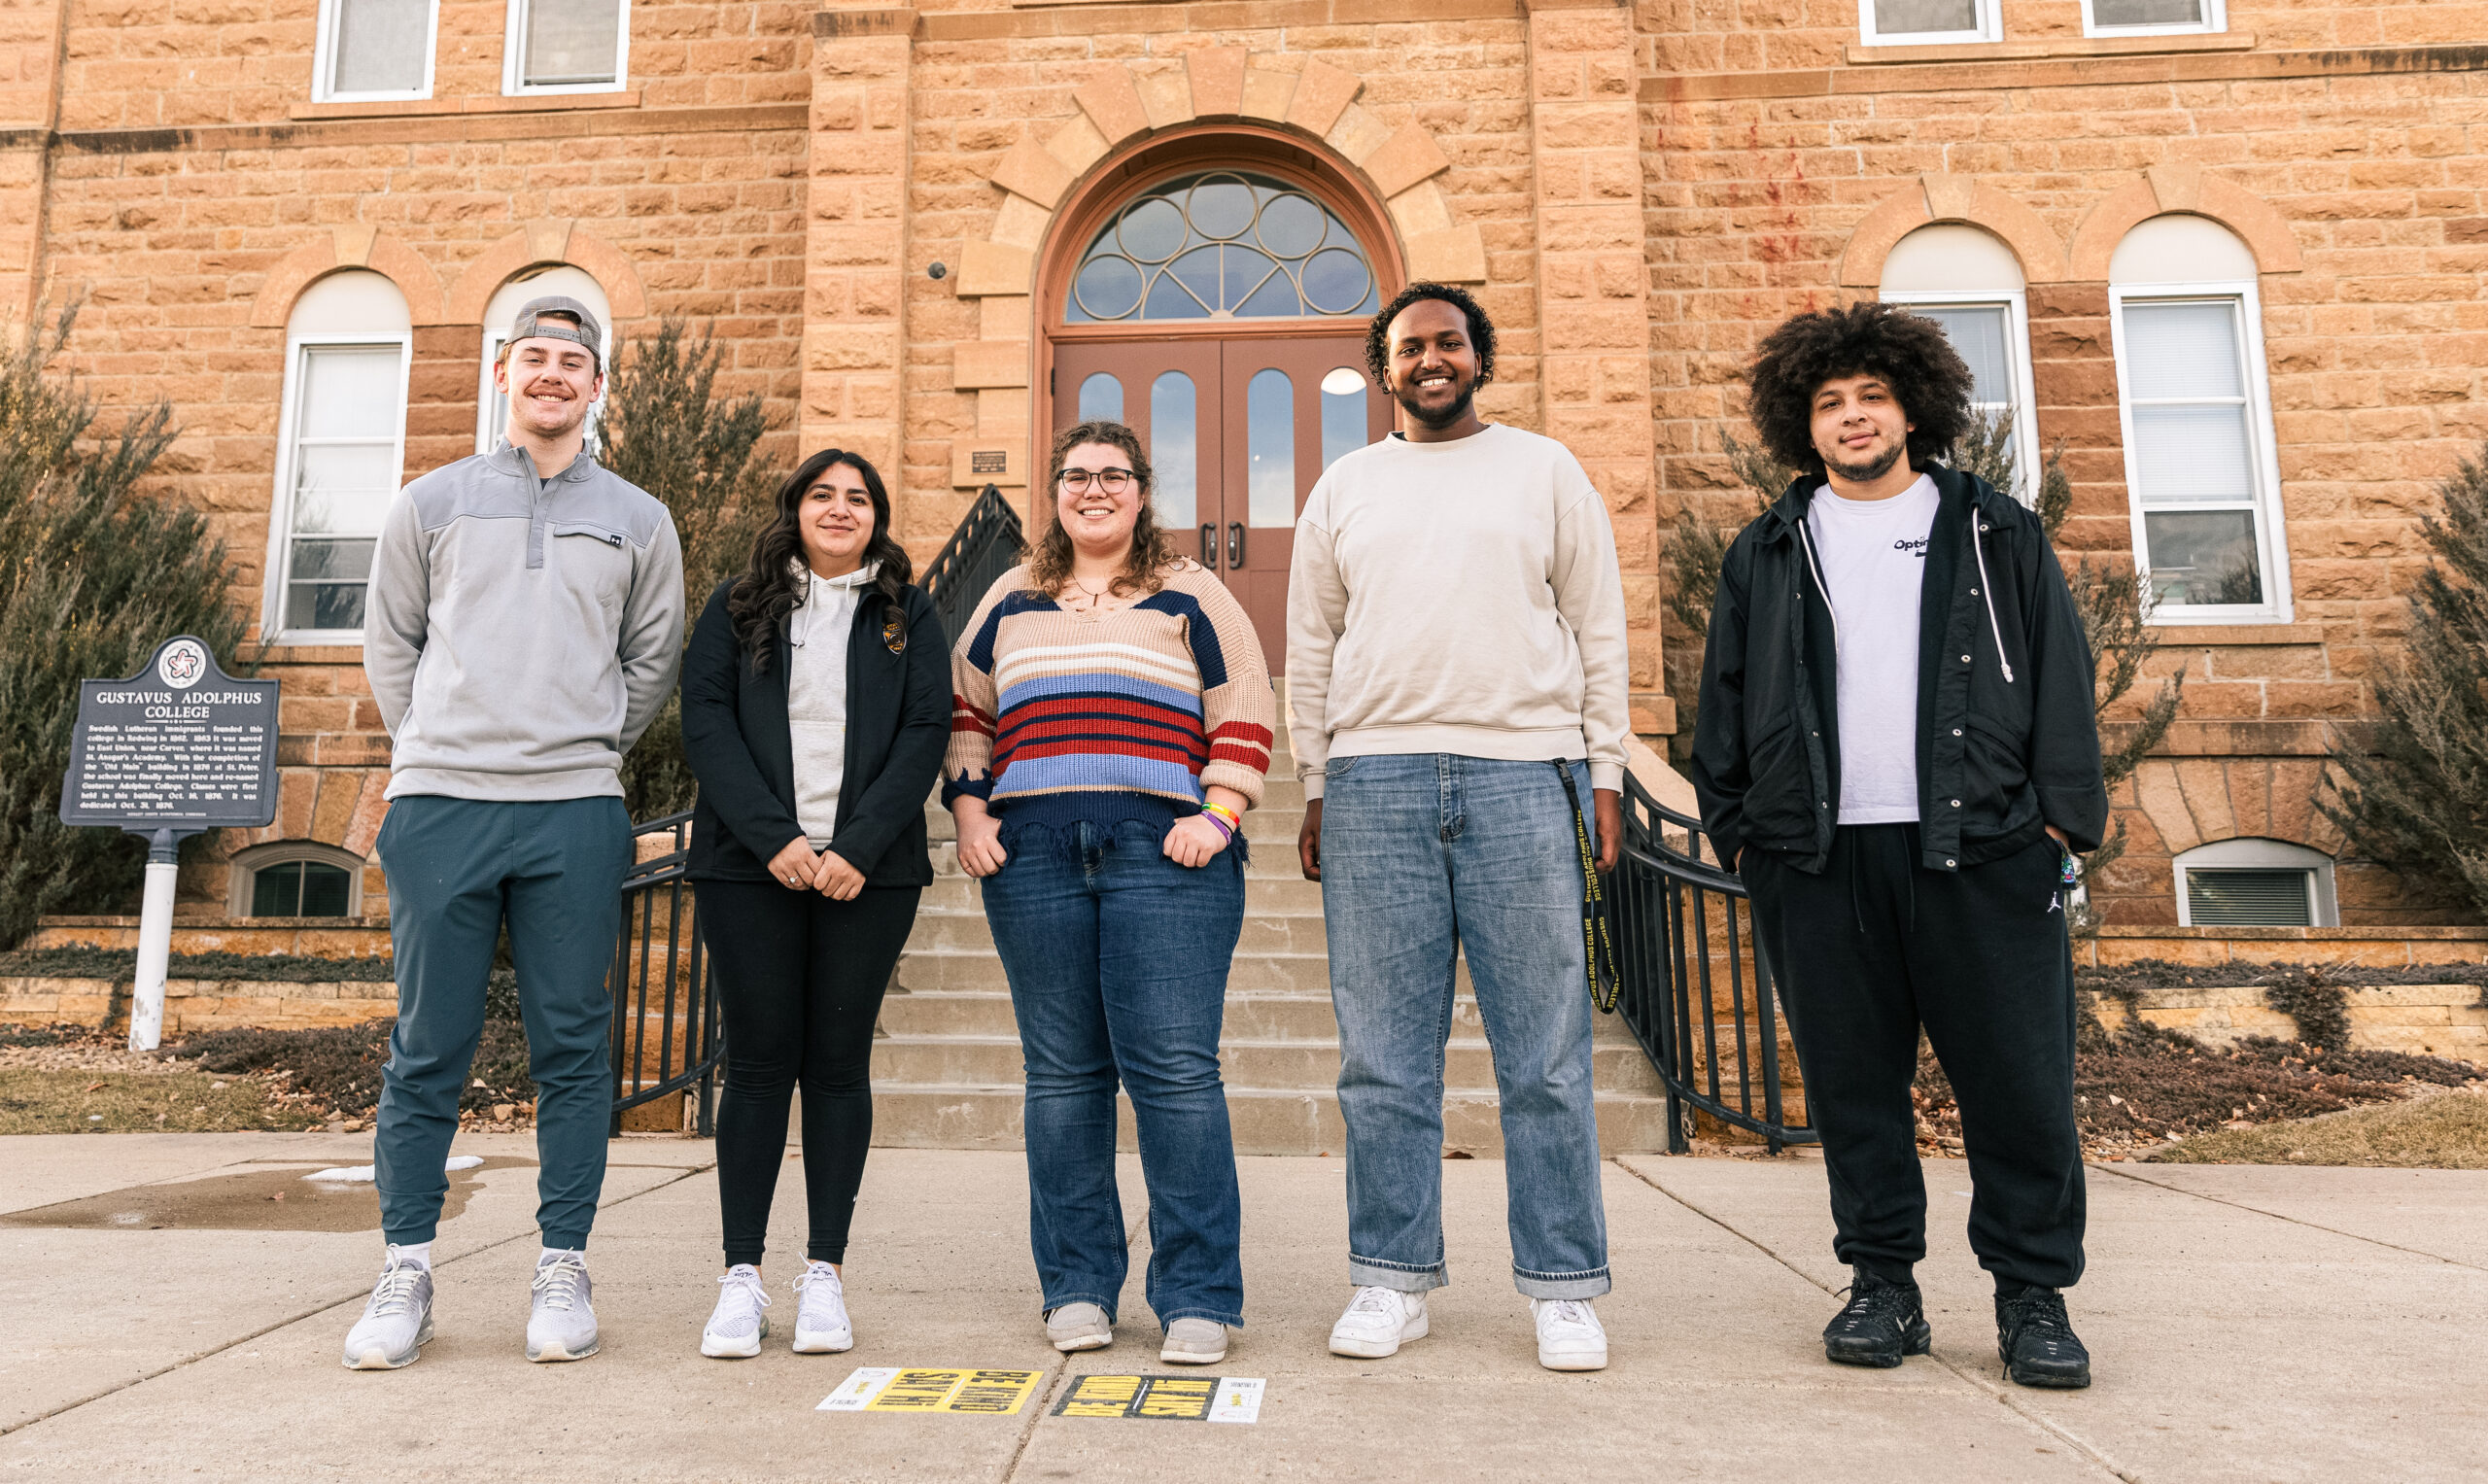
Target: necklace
x,y
1095,598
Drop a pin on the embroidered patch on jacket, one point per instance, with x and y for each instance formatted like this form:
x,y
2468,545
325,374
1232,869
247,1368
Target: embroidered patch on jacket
x,y
894,633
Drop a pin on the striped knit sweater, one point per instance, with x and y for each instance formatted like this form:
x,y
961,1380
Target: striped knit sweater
x,y
1059,717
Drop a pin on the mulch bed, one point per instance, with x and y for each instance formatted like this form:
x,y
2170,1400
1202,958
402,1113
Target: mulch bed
x,y
2137,1087
330,1075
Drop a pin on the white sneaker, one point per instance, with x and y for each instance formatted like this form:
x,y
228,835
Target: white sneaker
x,y
395,1321
821,1325
560,1323
1570,1337
1377,1321
1078,1327
737,1327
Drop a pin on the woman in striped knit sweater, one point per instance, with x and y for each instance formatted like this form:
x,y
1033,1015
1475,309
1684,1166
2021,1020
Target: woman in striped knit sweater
x,y
1110,725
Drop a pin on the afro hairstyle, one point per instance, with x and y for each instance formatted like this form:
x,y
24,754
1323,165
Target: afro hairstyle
x,y
1908,352
1377,334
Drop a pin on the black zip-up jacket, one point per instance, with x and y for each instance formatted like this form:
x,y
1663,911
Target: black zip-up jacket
x,y
2007,739
741,749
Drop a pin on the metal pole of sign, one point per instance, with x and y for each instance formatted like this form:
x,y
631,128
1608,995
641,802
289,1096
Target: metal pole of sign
x,y
154,941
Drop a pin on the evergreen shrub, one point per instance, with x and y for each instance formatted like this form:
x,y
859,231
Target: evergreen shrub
x,y
94,574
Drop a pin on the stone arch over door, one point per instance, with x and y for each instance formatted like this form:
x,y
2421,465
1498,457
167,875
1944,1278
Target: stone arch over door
x,y
1053,184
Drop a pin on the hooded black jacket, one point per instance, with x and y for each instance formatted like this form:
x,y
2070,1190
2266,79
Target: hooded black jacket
x,y
2008,740
741,749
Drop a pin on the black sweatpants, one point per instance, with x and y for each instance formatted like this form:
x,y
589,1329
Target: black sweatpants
x,y
1875,946
801,978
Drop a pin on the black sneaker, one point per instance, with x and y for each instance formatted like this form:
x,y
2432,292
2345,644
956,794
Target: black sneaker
x,y
1883,1321
2036,1341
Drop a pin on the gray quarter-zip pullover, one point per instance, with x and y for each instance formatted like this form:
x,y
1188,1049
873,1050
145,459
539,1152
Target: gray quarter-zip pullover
x,y
521,633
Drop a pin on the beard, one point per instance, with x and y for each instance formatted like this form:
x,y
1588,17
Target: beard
x,y
1871,469
1458,409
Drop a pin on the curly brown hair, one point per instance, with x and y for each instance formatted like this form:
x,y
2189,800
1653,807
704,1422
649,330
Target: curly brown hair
x,y
1377,330
1910,353
1151,551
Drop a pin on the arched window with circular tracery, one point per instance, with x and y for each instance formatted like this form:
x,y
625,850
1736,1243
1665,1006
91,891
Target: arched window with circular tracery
x,y
1220,245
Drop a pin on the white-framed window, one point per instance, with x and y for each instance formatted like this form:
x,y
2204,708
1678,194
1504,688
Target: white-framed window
x,y
2153,18
340,454
370,50
492,408
2256,883
1928,22
1971,284
297,878
567,46
2195,408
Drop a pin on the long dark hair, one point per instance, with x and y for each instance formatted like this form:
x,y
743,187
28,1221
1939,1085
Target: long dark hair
x,y
770,587
1151,551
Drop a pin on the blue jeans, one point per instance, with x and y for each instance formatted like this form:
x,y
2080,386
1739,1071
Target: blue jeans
x,y
457,869
1424,854
1118,962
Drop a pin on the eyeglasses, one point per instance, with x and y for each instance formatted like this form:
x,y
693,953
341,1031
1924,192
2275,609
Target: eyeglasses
x,y
1113,481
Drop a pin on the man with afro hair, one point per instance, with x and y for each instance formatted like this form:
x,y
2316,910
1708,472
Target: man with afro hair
x,y
1897,749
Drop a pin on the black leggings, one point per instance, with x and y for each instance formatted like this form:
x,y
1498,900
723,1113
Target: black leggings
x,y
801,978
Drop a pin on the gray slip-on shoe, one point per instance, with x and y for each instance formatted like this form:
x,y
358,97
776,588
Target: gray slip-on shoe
x,y
1195,1341
1078,1326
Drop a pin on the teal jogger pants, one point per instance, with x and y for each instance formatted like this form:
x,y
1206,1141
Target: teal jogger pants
x,y
457,869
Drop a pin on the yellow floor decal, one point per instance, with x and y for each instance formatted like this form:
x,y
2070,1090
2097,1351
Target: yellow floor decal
x,y
930,1389
1168,1399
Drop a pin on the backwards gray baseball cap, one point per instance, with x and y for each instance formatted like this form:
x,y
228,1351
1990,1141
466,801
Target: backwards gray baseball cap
x,y
530,324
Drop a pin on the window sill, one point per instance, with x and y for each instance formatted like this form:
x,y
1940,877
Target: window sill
x,y
286,652
2052,49
2197,634
415,108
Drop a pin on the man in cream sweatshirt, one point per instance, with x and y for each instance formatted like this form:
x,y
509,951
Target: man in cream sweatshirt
x,y
1457,676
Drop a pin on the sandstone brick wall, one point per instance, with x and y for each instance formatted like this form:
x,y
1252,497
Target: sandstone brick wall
x,y
1768,141
983,81
193,187
1651,187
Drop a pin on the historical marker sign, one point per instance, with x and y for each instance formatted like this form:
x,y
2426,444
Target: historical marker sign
x,y
175,749
180,746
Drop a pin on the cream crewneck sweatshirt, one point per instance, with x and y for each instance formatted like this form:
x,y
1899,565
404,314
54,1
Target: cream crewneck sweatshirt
x,y
1458,598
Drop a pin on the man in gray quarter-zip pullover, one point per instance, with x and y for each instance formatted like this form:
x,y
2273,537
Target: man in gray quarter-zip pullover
x,y
523,626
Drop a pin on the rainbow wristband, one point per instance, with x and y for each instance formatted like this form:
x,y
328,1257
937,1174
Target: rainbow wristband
x,y
1219,814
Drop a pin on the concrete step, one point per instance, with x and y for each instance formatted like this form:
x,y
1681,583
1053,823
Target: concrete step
x,y
1266,1121
1244,1062
945,969
1263,933
1264,893
1297,1017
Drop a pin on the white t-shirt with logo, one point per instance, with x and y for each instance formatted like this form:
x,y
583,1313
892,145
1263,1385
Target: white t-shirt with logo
x,y
1873,554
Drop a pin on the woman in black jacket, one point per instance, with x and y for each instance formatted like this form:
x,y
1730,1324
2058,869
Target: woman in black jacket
x,y
815,711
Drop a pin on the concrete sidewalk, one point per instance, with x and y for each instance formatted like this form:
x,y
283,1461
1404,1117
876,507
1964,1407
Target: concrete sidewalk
x,y
2248,1324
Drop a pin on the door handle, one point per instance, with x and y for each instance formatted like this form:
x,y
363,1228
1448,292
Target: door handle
x,y
1235,545
1209,547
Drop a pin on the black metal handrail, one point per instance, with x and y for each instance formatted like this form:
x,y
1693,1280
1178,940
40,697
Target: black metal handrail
x,y
1676,913
661,976
986,545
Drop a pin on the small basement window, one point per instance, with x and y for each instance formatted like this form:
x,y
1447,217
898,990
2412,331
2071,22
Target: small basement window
x,y
2256,883
295,879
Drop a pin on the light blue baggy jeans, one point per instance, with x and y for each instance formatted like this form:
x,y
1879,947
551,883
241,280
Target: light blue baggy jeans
x,y
1423,855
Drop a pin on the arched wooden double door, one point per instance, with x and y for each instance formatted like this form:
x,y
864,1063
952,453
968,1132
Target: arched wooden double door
x,y
1220,315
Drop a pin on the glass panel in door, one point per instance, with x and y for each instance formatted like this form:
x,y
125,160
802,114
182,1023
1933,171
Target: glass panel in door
x,y
1289,413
